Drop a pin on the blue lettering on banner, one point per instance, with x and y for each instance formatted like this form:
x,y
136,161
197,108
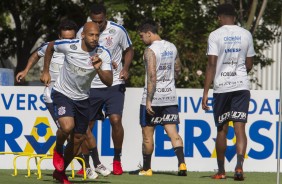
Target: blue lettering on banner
x,y
160,138
106,139
260,139
10,138
21,100
195,102
265,107
198,142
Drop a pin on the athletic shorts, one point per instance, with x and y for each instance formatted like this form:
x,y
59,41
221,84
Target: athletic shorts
x,y
231,106
163,115
109,99
64,106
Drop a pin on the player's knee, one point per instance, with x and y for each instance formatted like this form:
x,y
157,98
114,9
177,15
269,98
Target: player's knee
x,y
79,138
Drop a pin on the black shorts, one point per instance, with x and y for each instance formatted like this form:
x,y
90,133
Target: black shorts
x,y
163,115
231,106
109,99
79,110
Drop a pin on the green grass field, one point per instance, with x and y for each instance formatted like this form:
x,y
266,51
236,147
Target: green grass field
x,y
126,178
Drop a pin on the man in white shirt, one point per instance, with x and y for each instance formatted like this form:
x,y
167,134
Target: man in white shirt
x,y
159,104
230,58
115,38
84,58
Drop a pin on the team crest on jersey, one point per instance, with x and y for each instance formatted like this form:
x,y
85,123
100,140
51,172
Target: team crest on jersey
x,y
61,110
112,31
99,51
109,41
73,47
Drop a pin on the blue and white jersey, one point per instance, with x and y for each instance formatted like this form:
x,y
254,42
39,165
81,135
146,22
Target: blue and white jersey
x,y
116,40
232,44
56,64
78,72
165,93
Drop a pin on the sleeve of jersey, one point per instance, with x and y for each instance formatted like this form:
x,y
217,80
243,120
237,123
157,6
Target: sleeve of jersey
x,y
62,46
251,50
78,34
212,45
42,49
106,60
124,39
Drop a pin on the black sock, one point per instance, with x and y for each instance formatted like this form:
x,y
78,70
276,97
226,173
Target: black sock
x,y
147,162
95,156
79,161
180,155
220,164
240,160
86,160
117,154
60,148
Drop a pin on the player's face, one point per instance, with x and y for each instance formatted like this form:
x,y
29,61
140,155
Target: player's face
x,y
99,19
67,34
91,38
145,37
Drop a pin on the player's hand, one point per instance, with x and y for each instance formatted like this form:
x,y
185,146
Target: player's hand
x,y
21,75
114,65
149,109
96,61
123,74
45,78
204,103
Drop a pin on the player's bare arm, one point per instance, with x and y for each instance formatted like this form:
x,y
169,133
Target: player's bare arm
x,y
128,57
209,76
249,63
45,77
106,76
33,59
177,67
150,59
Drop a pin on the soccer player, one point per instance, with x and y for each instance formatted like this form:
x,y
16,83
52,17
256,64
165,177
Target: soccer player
x,y
159,104
66,30
230,58
115,38
84,58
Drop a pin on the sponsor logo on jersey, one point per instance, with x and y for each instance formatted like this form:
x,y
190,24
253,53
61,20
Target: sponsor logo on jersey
x,y
165,66
163,79
231,61
161,90
73,47
232,39
228,74
167,54
232,50
112,31
233,115
109,41
171,98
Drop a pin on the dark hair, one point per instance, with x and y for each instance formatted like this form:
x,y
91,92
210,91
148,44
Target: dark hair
x,y
67,25
98,9
148,25
226,9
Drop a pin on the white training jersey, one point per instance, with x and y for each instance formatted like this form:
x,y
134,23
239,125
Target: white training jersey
x,y
116,40
56,64
165,93
232,44
77,72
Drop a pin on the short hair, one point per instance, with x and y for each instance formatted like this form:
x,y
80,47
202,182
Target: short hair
x,y
98,9
148,25
226,9
67,25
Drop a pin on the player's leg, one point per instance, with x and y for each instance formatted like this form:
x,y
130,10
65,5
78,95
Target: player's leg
x,y
220,146
114,102
147,149
240,106
177,144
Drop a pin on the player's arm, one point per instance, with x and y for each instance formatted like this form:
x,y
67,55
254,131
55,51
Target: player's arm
x,y
150,59
209,76
128,57
106,76
45,77
249,63
33,59
177,67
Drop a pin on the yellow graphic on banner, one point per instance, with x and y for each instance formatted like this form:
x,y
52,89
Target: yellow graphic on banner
x,y
41,129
